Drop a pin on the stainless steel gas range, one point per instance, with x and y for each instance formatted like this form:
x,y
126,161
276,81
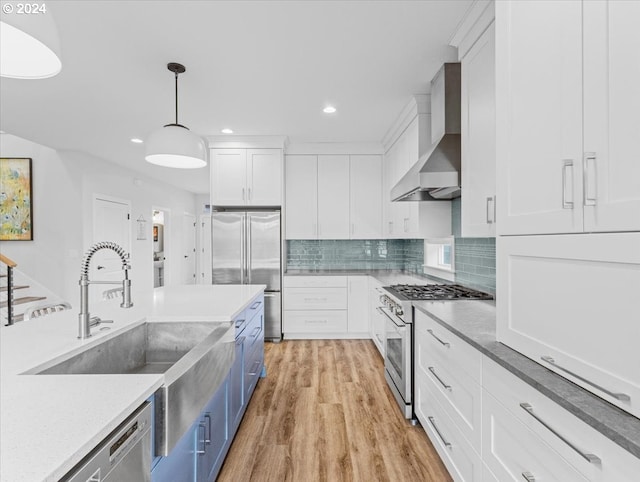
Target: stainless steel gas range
x,y
395,304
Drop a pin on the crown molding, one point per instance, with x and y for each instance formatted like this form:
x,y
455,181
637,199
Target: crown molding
x,y
246,142
419,104
475,21
345,148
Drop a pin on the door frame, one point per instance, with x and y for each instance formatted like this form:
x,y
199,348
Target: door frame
x,y
168,243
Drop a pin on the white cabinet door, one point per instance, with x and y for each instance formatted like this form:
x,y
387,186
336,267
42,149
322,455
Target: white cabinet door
x,y
301,203
479,138
611,116
333,197
571,303
366,197
358,304
539,116
264,177
228,177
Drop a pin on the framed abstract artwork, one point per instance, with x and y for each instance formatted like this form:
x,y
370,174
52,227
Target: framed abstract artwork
x,y
16,199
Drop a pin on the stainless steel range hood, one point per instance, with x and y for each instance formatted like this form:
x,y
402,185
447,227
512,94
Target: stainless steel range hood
x,y
436,175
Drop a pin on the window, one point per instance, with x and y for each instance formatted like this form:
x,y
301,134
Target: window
x,y
439,256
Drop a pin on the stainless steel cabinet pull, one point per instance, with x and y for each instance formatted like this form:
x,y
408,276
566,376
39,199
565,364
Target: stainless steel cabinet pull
x,y
243,194
618,396
432,370
491,209
200,441
528,476
589,179
207,437
255,368
255,331
255,305
567,188
593,459
249,194
432,421
240,340
239,323
448,345
390,227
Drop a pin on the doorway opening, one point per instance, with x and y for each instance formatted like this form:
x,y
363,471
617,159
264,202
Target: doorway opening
x,y
161,244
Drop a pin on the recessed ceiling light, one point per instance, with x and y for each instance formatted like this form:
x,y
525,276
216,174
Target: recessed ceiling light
x,y
135,140
226,131
329,109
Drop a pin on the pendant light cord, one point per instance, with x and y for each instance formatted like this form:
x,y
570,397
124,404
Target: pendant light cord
x,y
176,98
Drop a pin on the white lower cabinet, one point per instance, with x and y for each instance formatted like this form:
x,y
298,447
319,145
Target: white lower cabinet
x,y
451,369
325,307
525,432
514,452
461,460
570,302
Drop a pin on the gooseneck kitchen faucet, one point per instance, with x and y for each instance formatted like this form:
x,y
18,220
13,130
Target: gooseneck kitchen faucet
x,y
84,318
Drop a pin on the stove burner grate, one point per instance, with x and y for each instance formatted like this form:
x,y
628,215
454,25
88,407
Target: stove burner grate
x,y
440,292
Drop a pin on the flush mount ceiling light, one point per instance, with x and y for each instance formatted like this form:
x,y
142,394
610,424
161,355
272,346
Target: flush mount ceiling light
x,y
226,131
174,145
29,42
329,109
135,140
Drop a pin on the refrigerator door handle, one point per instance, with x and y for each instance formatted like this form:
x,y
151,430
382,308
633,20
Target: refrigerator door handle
x,y
243,236
248,255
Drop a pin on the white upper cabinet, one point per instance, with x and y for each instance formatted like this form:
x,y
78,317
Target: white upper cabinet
x,y
333,197
611,116
246,177
479,138
264,177
228,177
365,175
567,116
301,184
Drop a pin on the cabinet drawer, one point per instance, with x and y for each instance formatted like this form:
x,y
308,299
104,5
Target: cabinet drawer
x,y
449,348
513,452
556,428
254,308
315,299
458,393
315,281
462,462
319,321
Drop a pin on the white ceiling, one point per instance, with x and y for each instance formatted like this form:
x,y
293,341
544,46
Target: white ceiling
x,y
258,67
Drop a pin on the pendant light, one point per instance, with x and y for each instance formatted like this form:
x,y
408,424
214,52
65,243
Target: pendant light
x,y
29,42
174,145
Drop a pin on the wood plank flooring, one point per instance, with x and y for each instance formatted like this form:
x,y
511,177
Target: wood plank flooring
x,y
325,413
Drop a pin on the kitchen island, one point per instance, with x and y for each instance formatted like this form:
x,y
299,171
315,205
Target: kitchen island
x,y
50,422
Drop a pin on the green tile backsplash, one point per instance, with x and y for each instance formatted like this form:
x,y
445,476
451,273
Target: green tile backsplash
x,y
475,258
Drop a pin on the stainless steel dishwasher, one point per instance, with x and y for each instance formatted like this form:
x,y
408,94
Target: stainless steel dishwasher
x,y
125,455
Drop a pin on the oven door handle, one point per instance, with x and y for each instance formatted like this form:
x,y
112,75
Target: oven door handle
x,y
384,312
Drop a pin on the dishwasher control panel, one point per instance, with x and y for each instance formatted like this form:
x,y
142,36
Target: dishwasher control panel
x,y
127,448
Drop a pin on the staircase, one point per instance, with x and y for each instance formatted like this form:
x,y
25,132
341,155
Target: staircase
x,y
21,298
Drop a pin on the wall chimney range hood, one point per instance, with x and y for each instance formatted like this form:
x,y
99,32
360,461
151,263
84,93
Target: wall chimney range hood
x,y
436,175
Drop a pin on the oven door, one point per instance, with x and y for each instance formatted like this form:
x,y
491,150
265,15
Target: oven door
x,y
397,362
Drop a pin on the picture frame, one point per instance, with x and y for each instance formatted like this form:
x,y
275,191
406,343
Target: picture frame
x,y
16,199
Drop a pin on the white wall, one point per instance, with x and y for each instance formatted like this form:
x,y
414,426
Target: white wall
x,y
63,186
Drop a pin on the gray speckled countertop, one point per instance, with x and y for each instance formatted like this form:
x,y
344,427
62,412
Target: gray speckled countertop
x,y
475,322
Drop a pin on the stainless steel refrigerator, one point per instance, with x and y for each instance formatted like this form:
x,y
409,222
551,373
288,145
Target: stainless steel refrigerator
x,y
246,248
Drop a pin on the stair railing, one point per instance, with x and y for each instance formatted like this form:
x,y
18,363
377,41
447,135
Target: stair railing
x,y
10,266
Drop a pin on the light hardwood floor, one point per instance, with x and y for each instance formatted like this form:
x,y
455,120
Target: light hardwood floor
x,y
324,413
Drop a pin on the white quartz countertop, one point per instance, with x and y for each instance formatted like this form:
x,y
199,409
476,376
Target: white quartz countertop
x,y
48,423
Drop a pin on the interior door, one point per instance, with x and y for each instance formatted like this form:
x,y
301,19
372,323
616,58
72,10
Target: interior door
x,y
227,247
263,248
111,222
189,248
205,249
